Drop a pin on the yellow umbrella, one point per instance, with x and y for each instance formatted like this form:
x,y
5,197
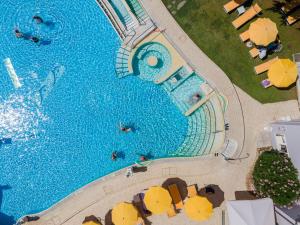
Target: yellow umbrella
x,y
91,223
124,214
157,200
282,73
198,208
263,31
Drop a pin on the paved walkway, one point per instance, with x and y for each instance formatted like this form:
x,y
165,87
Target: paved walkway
x,y
246,117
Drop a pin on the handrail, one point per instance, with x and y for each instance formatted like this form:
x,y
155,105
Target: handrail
x,y
114,19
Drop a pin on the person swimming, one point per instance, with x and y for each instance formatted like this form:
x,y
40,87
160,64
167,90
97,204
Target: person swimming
x,y
143,158
125,129
18,33
35,39
38,19
114,156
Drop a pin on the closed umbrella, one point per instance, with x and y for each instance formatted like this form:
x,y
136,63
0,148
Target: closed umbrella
x,y
157,200
198,208
263,31
124,214
282,73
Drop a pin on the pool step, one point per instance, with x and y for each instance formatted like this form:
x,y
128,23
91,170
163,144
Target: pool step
x,y
123,12
121,67
201,132
137,10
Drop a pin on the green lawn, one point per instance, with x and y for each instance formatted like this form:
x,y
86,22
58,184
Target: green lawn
x,y
210,28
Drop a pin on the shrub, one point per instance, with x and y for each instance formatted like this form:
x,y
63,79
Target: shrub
x,y
275,177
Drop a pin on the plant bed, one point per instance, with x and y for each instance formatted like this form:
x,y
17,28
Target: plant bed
x,y
275,176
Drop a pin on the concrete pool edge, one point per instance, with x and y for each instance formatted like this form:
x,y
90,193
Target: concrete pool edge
x,y
112,175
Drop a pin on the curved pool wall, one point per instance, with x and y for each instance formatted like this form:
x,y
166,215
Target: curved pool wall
x,y
206,131
141,65
64,119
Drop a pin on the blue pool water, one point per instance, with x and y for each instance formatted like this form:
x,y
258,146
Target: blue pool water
x,y
64,119
140,61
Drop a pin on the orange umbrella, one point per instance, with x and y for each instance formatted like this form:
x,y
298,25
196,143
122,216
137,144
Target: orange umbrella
x,y
263,31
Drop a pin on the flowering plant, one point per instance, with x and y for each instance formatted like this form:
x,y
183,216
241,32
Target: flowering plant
x,y
274,176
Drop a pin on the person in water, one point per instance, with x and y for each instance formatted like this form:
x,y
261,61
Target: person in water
x,y
114,156
18,33
124,128
38,19
143,158
35,39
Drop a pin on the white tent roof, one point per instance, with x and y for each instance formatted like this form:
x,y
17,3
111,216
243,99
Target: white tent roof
x,y
251,212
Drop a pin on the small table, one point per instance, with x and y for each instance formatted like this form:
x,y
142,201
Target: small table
x,y
262,53
241,10
249,44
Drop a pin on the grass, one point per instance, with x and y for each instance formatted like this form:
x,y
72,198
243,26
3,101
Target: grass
x,y
210,28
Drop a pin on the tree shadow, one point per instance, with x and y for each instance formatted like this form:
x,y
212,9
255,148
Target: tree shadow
x,y
5,219
276,8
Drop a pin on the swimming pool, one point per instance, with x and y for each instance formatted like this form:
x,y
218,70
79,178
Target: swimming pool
x,y
141,62
64,119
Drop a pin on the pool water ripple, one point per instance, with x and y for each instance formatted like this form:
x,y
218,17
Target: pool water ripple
x,y
64,119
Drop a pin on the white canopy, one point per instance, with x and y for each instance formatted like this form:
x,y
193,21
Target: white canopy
x,y
251,212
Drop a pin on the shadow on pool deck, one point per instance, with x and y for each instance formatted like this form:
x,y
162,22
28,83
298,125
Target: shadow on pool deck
x,y
5,219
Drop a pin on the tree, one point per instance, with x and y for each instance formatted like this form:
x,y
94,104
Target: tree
x,y
275,177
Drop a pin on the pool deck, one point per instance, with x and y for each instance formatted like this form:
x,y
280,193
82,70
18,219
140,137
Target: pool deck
x,y
246,118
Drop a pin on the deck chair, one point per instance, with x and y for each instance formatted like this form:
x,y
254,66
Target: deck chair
x,y
254,52
263,67
171,211
245,36
248,15
192,190
176,197
291,20
229,6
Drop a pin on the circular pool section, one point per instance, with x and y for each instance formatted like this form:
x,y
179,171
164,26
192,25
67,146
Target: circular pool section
x,y
151,61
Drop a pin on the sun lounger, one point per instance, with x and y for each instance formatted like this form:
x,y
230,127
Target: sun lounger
x,y
264,66
171,211
229,6
254,52
291,20
266,83
245,36
177,200
248,15
192,190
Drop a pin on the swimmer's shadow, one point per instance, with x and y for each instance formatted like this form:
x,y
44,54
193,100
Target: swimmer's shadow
x,y
121,155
